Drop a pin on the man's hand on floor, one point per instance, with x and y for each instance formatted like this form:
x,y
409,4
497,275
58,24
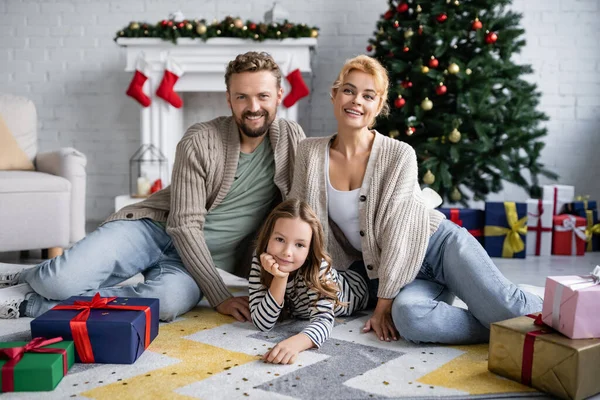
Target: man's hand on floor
x,y
237,307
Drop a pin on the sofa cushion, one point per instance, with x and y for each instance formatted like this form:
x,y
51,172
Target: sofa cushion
x,y
32,181
12,157
21,118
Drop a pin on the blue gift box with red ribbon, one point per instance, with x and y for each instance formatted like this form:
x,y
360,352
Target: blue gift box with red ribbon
x,y
113,330
471,219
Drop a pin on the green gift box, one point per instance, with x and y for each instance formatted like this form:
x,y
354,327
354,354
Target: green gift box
x,y
38,365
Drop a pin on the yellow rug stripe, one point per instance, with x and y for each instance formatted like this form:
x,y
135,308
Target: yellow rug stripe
x,y
469,373
198,361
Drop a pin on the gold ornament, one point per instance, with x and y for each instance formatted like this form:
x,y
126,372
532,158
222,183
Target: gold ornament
x,y
244,28
457,3
314,33
453,68
189,26
278,33
424,69
408,33
428,178
238,23
426,104
201,29
454,136
455,195
218,31
418,9
468,71
394,133
256,36
134,25
121,33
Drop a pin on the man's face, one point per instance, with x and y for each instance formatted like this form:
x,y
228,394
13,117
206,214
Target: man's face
x,y
253,98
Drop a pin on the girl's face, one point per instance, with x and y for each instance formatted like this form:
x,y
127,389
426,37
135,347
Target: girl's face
x,y
356,102
289,243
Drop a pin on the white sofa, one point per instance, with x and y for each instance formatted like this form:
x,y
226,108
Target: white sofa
x,y
44,208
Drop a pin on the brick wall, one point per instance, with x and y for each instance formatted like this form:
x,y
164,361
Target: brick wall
x,y
61,55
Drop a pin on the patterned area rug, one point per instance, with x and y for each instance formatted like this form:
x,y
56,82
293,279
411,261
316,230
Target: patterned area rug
x,y
209,356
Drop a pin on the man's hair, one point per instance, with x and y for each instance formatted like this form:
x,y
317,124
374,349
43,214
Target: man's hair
x,y
252,61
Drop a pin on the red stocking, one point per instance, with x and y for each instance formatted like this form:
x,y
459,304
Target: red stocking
x,y
136,87
298,88
165,91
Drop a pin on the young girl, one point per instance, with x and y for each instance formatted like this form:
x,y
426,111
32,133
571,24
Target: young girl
x,y
295,271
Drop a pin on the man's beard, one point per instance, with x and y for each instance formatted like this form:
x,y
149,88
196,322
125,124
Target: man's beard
x,y
258,132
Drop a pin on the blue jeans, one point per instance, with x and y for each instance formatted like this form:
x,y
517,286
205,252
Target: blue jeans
x,y
110,255
456,263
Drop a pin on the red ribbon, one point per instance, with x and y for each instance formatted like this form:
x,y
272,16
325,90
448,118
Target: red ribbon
x,y
527,363
455,217
15,354
555,200
79,322
538,228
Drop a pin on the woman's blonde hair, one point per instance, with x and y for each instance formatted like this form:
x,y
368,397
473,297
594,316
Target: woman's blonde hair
x,y
310,270
370,66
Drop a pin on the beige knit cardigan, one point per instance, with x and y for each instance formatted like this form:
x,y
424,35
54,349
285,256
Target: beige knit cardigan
x,y
395,223
205,164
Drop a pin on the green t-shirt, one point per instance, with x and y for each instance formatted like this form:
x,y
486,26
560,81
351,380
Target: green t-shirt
x,y
244,208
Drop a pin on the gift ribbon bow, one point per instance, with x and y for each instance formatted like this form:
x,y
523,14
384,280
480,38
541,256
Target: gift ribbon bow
x,y
15,354
516,227
455,217
569,224
591,228
79,323
538,229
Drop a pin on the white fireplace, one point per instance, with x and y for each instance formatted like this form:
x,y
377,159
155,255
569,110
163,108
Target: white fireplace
x,y
203,64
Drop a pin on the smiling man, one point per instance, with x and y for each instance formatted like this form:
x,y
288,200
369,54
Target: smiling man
x,y
227,176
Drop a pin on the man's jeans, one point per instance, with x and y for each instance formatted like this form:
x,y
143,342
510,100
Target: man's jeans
x,y
110,255
456,264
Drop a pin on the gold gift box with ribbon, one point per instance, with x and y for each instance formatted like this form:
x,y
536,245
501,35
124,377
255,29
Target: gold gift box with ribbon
x,y
523,350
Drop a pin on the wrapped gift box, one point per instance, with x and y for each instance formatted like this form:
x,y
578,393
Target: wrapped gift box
x,y
505,229
539,227
568,237
571,305
118,329
36,371
559,195
470,219
580,207
544,359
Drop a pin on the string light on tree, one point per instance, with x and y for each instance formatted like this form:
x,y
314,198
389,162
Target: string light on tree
x,y
428,178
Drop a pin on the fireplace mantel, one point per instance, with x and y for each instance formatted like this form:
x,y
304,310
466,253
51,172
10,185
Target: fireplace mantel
x,y
204,66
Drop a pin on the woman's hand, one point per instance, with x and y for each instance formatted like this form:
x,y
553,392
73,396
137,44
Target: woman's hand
x,y
381,321
270,265
286,351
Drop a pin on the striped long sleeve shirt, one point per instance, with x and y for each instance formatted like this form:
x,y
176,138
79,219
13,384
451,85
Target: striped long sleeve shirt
x,y
305,303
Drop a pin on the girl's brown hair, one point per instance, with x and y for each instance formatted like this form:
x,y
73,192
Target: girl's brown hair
x,y
310,270
370,66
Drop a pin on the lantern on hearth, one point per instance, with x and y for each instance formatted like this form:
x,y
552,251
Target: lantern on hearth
x,y
147,171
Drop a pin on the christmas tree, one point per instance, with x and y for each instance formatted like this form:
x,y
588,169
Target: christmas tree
x,y
458,97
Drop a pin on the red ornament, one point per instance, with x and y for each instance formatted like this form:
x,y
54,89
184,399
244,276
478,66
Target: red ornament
x,y
406,84
180,25
412,130
252,26
388,14
441,89
491,38
163,22
369,48
402,7
406,49
433,63
170,23
399,102
420,31
442,17
396,24
391,54
156,186
476,24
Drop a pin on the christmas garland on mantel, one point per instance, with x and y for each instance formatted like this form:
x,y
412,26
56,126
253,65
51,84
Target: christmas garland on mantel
x,y
230,27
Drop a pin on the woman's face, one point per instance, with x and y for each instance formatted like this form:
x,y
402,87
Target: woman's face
x,y
356,103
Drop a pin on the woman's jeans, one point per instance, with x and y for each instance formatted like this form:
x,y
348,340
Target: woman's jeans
x,y
456,264
108,256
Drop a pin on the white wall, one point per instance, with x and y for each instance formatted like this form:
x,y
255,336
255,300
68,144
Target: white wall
x,y
61,54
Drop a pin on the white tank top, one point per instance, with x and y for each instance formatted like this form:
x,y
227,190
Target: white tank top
x,y
343,209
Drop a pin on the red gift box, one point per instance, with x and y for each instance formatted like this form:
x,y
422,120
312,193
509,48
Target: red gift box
x,y
569,236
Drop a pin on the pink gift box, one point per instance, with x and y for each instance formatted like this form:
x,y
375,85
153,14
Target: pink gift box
x,y
570,305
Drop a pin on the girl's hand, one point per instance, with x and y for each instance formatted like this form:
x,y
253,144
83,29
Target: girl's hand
x,y
286,351
270,265
381,321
